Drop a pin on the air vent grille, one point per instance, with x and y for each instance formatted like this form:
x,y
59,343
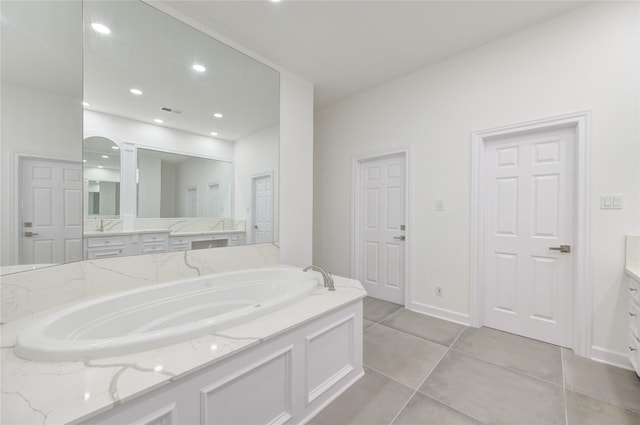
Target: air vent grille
x,y
173,111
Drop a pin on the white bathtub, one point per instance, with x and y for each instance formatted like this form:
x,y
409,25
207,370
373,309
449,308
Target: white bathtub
x,y
159,315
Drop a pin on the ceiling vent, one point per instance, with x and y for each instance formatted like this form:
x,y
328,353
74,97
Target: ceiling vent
x,y
173,111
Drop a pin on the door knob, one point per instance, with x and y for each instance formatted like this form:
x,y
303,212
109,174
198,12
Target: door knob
x,y
255,226
29,234
400,238
561,248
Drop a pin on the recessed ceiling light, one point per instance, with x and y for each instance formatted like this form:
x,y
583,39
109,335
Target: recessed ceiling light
x,y
217,115
100,166
136,91
213,133
275,1
198,67
102,29
84,160
85,104
158,120
105,156
115,147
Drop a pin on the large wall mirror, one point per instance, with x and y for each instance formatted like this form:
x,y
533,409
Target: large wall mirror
x,y
110,110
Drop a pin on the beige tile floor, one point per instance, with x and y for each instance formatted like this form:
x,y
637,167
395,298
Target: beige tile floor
x,y
420,370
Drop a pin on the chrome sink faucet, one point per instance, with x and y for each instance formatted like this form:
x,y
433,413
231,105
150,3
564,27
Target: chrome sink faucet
x,y
101,227
326,276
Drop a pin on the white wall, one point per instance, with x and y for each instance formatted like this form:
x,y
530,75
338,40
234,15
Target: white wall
x,y
256,154
56,134
168,202
296,170
587,59
149,192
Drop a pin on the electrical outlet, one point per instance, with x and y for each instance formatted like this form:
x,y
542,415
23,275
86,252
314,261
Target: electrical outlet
x,y
439,291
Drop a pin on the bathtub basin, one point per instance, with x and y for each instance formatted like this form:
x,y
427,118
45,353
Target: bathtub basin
x,y
160,315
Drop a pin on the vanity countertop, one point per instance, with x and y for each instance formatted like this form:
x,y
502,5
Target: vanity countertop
x,y
69,392
206,232
96,233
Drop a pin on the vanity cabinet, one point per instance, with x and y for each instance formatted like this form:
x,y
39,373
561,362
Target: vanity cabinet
x,y
203,241
154,242
99,246
179,243
107,246
634,322
237,239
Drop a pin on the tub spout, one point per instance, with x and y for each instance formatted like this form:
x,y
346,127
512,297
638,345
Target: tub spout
x,y
326,276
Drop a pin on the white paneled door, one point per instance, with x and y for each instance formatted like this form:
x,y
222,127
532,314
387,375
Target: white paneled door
x,y
381,233
51,211
528,216
263,209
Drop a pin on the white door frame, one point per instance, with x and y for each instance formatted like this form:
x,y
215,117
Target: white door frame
x,y
581,285
254,177
356,169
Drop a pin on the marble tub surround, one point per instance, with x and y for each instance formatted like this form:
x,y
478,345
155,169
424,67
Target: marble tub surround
x,y
25,294
85,389
632,263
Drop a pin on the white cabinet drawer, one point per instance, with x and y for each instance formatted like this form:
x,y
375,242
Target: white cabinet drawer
x,y
237,236
111,241
634,316
180,241
156,247
160,237
634,288
634,350
96,253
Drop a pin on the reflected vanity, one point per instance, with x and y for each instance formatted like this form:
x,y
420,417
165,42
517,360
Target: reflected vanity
x,y
178,134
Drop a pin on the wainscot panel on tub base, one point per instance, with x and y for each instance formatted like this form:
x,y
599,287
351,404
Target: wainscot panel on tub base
x,y
285,380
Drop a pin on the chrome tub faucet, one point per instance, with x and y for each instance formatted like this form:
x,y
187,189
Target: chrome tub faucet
x,y
326,276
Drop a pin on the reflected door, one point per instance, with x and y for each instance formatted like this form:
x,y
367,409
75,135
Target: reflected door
x,y
381,265
51,213
214,200
528,184
263,209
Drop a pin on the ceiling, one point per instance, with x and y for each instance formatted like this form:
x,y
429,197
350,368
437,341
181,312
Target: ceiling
x,y
344,47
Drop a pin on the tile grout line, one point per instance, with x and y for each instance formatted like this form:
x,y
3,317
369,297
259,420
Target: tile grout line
x,y
450,348
519,372
417,390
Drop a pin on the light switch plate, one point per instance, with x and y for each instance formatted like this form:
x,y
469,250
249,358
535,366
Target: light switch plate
x,y
439,205
611,202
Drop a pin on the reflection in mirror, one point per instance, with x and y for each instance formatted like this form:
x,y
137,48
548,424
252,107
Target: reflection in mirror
x,y
197,123
47,77
41,134
101,160
172,185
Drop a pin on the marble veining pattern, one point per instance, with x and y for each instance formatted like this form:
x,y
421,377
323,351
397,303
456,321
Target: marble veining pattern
x,y
25,294
84,389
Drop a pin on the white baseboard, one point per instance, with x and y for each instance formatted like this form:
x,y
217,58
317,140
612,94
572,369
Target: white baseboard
x,y
610,357
440,313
